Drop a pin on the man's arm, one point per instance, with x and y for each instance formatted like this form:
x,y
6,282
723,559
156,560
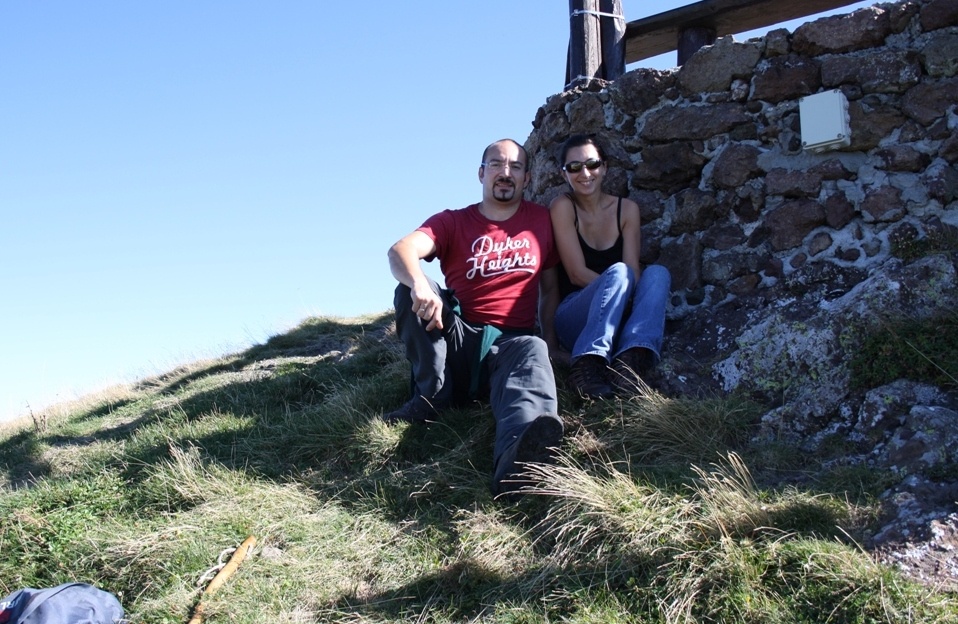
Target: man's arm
x,y
405,263
548,303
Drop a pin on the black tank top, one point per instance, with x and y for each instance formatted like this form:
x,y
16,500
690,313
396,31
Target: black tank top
x,y
595,259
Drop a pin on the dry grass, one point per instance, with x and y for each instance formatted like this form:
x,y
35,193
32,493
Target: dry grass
x,y
647,517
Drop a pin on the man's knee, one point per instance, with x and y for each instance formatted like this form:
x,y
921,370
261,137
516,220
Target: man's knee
x,y
526,350
402,297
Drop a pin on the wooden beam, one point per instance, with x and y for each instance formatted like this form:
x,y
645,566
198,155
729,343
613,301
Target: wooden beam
x,y
658,34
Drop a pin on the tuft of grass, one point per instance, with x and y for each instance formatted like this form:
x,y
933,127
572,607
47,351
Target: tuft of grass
x,y
720,553
908,246
923,350
652,427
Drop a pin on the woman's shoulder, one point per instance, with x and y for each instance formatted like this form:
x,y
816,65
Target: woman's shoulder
x,y
630,209
561,200
561,206
628,204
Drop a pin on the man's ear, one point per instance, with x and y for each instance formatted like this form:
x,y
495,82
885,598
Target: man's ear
x,y
482,172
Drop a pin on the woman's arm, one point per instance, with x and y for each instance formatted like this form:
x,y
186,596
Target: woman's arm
x,y
631,235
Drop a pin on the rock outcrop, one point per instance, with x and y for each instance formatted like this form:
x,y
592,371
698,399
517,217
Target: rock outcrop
x,y
782,259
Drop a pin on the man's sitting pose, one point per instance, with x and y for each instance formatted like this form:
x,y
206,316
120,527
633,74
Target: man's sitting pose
x,y
495,256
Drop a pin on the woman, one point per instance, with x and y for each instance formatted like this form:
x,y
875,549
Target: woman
x,y
611,315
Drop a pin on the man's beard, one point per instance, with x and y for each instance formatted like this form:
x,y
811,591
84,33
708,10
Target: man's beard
x,y
502,193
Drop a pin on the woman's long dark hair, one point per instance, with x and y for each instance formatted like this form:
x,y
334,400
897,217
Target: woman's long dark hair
x,y
578,140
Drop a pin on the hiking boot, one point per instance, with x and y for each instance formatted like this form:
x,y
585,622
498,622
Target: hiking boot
x,y
588,378
537,445
416,410
628,368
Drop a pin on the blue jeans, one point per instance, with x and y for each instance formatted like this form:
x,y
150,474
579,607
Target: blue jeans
x,y
614,313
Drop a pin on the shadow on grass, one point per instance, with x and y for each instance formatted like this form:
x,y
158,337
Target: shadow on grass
x,y
468,591
270,385
20,457
107,408
314,337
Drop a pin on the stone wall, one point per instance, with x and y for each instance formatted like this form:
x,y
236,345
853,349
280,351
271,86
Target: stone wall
x,y
712,152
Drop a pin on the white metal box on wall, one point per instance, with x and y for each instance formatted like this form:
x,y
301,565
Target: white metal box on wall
x,y
825,121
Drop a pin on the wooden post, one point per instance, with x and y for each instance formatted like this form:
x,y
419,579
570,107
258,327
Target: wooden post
x,y
574,61
691,39
584,43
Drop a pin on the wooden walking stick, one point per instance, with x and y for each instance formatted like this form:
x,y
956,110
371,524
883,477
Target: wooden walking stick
x,y
227,571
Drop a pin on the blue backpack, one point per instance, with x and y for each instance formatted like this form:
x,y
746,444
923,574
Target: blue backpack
x,y
70,603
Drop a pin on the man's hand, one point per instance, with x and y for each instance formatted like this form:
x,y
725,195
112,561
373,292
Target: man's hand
x,y
427,305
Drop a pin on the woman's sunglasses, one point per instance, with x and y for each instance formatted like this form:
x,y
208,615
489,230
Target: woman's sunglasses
x,y
576,166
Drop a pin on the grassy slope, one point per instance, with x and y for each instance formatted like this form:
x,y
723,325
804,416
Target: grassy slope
x,y
660,510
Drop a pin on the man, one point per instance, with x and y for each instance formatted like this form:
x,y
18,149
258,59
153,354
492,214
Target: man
x,y
495,257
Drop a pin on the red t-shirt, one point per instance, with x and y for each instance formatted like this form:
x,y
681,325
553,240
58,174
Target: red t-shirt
x,y
494,266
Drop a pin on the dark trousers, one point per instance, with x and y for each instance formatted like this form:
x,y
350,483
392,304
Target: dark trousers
x,y
516,370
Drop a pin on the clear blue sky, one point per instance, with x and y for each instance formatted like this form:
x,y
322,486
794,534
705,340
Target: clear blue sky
x,y
182,179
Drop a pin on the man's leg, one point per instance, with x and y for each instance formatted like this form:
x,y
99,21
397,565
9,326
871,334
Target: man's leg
x,y
439,359
523,397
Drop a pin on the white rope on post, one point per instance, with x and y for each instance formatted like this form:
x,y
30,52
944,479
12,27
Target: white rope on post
x,y
596,13
578,78
596,49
